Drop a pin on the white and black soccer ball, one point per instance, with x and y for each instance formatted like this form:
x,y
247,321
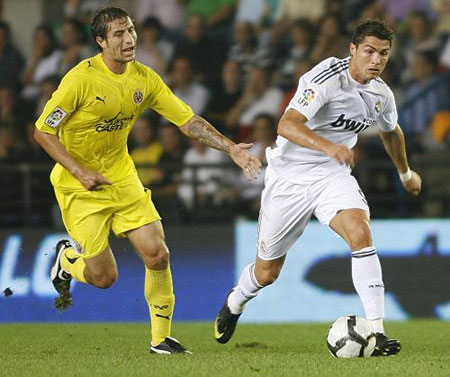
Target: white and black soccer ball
x,y
351,336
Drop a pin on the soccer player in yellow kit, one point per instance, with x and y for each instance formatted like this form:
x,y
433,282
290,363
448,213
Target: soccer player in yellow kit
x,y
84,128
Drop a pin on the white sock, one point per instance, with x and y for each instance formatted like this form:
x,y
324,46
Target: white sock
x,y
377,325
246,289
368,282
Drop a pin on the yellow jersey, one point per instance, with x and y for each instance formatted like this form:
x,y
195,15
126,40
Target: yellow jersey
x,y
93,110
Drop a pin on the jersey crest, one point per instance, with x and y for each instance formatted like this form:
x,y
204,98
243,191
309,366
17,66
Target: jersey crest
x,y
138,96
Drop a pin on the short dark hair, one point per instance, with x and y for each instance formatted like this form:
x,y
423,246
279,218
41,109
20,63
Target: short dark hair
x,y
372,28
102,18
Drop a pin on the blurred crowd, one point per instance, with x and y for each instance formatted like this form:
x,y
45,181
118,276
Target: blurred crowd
x,y
237,63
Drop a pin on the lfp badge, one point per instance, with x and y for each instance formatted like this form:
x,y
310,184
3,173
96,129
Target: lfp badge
x,y
308,94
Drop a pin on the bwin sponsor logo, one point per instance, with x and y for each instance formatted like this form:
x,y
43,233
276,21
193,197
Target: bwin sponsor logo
x,y
352,125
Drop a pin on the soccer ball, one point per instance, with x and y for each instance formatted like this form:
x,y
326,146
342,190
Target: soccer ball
x,y
351,336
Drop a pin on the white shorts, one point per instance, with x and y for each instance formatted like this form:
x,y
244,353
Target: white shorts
x,y
287,207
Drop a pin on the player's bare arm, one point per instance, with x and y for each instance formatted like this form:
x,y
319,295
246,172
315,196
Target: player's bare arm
x,y
199,129
292,127
394,144
90,180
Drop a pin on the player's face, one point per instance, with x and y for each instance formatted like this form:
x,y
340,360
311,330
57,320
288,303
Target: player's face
x,y
369,58
120,42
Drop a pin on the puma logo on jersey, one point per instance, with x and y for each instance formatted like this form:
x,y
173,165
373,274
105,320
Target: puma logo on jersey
x,y
351,124
101,99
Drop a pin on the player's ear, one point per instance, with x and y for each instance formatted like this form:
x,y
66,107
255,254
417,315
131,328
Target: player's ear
x,y
352,49
102,42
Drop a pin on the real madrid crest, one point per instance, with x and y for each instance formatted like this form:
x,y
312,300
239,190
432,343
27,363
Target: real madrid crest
x,y
377,107
138,96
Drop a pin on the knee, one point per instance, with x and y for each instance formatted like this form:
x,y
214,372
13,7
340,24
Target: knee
x,y
103,280
156,256
360,236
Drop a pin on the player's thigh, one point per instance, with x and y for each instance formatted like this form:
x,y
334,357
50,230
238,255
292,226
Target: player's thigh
x,y
285,212
87,218
353,225
340,204
135,210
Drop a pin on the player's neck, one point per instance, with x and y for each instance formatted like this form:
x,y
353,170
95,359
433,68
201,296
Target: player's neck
x,y
355,75
114,66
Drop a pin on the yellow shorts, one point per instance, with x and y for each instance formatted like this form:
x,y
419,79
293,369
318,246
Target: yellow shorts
x,y
89,216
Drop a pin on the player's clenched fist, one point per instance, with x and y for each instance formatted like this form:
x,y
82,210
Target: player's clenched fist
x,y
342,154
414,184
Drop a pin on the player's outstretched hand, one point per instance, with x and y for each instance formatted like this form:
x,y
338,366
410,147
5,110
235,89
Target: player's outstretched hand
x,y
245,160
414,184
342,154
91,180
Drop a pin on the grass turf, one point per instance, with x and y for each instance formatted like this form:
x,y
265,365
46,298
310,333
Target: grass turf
x,y
255,350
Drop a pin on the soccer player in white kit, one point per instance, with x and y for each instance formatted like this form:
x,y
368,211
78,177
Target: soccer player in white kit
x,y
309,173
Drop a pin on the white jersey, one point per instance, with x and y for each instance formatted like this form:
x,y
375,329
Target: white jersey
x,y
337,108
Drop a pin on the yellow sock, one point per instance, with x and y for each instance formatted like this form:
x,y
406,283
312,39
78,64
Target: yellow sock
x,y
161,302
76,264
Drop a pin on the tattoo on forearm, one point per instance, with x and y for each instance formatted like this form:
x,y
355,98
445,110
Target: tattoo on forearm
x,y
207,134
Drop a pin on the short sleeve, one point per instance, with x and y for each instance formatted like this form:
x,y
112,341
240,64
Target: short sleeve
x,y
64,101
388,118
308,98
167,104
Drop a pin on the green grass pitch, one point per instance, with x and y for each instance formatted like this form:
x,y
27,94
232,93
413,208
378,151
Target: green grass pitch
x,y
256,350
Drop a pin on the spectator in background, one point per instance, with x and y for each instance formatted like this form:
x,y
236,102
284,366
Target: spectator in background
x,y
47,86
147,149
302,37
206,53
45,61
206,181
12,109
225,96
398,10
216,13
290,10
302,67
11,145
245,49
418,116
419,37
248,193
331,40
168,175
186,88
258,97
75,47
442,8
252,11
11,60
153,51
170,13
84,9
